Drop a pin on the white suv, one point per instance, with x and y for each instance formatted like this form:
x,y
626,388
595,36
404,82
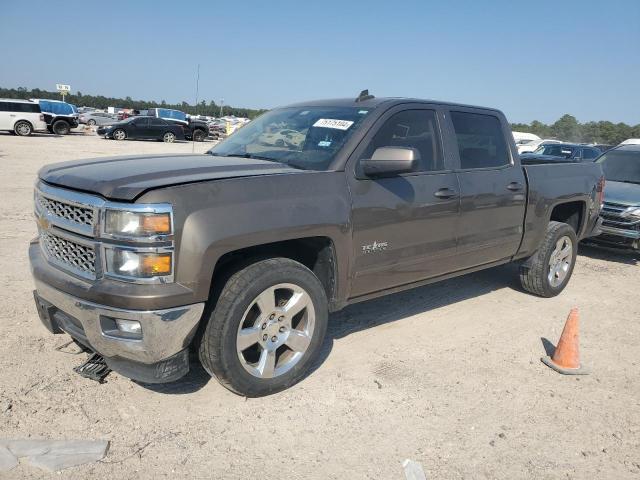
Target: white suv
x,y
21,117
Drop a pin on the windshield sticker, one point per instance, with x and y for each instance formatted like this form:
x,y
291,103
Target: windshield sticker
x,y
305,112
324,143
333,123
363,112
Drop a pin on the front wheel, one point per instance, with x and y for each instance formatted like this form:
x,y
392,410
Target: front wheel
x,y
119,134
22,128
547,272
91,123
61,127
266,329
169,137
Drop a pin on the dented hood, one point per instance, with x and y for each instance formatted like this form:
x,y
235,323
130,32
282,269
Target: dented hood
x,y
126,178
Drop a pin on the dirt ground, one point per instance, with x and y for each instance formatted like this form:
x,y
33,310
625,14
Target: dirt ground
x,y
447,375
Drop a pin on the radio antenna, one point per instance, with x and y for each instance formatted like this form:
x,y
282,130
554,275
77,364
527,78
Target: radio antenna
x,y
193,141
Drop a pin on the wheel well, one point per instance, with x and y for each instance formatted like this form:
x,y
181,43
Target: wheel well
x,y
315,253
22,120
571,213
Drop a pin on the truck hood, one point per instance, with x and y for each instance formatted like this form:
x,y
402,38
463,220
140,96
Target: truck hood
x,y
622,193
126,178
537,158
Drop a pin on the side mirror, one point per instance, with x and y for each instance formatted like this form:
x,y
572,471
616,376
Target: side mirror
x,y
390,161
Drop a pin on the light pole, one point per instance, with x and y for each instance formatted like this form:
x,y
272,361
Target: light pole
x,y
221,104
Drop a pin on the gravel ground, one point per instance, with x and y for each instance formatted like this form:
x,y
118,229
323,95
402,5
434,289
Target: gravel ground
x,y
448,375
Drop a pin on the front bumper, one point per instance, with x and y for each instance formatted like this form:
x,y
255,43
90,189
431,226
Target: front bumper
x,y
618,238
160,355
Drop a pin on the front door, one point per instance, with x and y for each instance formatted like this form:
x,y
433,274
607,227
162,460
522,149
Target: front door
x,y
404,227
492,189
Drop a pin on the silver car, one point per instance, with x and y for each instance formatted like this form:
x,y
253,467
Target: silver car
x,y
97,118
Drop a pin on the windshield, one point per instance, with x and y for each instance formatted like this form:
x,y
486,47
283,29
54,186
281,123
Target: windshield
x,y
303,137
555,150
621,166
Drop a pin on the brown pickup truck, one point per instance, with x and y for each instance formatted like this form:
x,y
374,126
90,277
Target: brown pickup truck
x,y
241,253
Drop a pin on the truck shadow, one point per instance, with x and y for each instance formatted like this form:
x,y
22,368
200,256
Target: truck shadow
x,y
628,257
373,313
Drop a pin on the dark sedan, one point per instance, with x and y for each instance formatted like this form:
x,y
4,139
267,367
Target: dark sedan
x,y
562,152
143,128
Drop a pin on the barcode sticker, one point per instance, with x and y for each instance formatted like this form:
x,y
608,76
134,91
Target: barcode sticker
x,y
332,123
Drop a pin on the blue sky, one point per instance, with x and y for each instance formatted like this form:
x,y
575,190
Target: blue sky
x,y
533,59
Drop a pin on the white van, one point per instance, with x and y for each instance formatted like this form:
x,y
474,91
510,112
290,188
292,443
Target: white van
x,y
21,117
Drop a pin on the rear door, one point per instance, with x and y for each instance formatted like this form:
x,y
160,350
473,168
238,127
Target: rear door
x,y
404,227
492,187
157,127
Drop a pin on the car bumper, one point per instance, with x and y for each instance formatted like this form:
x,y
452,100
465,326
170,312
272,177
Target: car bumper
x,y
160,355
618,237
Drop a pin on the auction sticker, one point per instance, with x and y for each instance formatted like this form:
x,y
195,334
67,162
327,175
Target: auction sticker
x,y
332,123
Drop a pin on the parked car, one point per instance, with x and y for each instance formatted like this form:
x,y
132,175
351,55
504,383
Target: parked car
x,y
97,118
603,147
193,129
143,128
562,152
533,145
243,252
621,209
60,117
286,137
22,117
631,141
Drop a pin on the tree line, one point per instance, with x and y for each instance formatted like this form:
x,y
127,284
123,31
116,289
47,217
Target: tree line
x,y
567,128
102,102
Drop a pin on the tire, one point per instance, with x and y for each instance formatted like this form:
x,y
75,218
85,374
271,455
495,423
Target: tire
x,y
91,122
243,367
61,127
199,136
547,272
169,137
23,128
119,134
279,143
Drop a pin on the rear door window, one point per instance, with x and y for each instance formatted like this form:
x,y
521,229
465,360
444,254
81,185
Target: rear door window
x,y
481,142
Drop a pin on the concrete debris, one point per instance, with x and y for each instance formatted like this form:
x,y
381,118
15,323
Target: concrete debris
x,y
413,470
52,455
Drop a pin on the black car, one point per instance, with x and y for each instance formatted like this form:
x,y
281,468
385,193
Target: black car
x,y
60,117
143,128
562,152
196,130
621,210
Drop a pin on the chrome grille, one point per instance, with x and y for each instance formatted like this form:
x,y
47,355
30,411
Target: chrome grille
x,y
66,211
612,216
75,256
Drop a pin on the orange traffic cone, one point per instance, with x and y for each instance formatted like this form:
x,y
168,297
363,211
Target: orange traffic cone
x,y
566,358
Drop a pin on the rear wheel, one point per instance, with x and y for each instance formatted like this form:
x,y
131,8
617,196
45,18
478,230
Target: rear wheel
x,y
199,136
266,329
23,128
61,127
169,137
548,271
119,134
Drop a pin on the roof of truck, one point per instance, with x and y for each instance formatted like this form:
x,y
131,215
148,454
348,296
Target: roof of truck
x,y
376,101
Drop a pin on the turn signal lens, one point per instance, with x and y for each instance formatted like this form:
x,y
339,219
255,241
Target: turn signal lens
x,y
157,223
132,264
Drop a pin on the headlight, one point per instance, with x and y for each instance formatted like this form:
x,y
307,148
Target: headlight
x,y
135,264
124,223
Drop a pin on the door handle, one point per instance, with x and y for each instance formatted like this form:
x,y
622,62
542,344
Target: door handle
x,y
445,193
514,186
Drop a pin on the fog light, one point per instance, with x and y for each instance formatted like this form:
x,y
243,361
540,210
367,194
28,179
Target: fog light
x,y
129,326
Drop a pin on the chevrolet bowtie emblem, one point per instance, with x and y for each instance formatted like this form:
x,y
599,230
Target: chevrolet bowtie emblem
x,y
43,222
